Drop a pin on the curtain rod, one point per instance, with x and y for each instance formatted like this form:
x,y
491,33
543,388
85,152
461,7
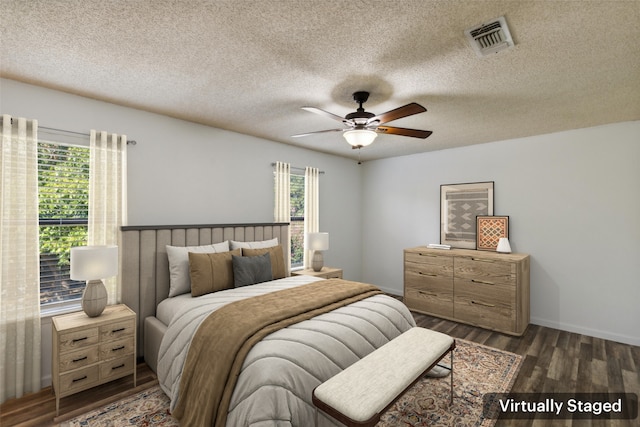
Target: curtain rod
x,y
129,142
297,168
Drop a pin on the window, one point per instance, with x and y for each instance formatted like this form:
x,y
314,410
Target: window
x,y
297,220
63,192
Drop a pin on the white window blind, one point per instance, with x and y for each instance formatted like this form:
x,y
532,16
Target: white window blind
x,y
63,190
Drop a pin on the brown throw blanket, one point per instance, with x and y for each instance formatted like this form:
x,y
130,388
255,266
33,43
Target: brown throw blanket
x,y
224,338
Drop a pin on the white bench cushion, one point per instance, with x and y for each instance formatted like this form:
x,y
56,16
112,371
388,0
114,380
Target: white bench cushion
x,y
369,385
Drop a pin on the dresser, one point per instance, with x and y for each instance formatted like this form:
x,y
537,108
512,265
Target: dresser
x,y
89,351
325,273
481,288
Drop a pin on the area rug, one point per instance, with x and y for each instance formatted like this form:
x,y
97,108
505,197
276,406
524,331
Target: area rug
x,y
478,370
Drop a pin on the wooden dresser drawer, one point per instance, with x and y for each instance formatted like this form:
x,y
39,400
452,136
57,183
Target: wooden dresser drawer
x,y
79,380
490,306
74,340
79,358
438,302
485,270
116,348
427,264
116,368
117,330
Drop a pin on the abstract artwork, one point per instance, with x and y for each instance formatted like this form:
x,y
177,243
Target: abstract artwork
x,y
460,204
490,230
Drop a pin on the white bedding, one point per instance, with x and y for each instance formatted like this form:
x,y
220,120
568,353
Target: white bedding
x,y
277,378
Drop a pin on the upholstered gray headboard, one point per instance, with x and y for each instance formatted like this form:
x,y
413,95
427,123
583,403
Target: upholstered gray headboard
x,y
145,265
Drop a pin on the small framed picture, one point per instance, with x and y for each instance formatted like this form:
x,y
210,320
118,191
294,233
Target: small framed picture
x,y
460,204
490,230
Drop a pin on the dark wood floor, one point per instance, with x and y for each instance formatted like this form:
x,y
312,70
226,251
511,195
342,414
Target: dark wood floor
x,y
553,361
556,361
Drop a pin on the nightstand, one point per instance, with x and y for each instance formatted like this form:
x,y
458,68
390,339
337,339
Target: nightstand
x,y
89,351
325,273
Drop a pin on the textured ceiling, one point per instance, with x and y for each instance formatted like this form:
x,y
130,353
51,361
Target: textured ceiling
x,y
248,66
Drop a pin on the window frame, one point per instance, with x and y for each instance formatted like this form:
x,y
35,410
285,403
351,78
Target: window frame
x,y
72,304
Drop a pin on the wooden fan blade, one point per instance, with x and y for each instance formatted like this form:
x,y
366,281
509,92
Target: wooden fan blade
x,y
404,131
325,113
398,113
316,132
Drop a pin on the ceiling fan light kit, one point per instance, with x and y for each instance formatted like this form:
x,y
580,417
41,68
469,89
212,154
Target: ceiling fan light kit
x,y
363,127
359,138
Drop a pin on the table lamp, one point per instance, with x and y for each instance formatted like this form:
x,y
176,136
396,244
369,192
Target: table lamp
x,y
94,263
317,242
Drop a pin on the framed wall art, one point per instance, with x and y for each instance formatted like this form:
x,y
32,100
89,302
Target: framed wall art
x,y
460,204
489,230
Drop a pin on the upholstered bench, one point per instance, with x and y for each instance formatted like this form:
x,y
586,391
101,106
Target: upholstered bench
x,y
359,395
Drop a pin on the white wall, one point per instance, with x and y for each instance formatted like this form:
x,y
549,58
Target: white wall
x,y
184,173
573,200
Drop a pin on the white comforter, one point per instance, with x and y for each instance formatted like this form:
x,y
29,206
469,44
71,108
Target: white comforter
x,y
277,378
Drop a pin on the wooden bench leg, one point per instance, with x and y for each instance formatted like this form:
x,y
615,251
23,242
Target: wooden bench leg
x,y
451,379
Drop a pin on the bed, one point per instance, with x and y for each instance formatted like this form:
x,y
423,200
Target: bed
x,y
274,381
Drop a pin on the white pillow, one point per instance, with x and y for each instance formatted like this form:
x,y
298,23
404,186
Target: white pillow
x,y
254,245
179,281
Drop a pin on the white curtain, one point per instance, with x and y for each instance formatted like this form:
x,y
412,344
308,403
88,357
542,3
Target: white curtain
x,y
282,209
311,208
282,205
19,255
107,196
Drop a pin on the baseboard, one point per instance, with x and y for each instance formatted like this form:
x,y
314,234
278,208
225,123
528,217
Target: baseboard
x,y
625,339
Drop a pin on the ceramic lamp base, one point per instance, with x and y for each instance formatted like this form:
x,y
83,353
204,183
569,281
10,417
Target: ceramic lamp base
x,y
94,298
317,262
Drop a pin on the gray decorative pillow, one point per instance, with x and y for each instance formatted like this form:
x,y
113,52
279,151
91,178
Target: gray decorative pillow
x,y
251,270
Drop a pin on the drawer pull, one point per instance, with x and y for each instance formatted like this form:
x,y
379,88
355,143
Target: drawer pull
x,y
79,339
426,274
79,359
117,367
482,260
428,293
482,303
118,348
117,330
80,379
482,282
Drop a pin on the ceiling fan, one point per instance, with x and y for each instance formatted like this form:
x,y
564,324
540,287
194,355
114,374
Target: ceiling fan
x,y
362,127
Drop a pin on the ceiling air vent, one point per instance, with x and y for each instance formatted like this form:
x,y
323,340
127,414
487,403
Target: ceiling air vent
x,y
490,37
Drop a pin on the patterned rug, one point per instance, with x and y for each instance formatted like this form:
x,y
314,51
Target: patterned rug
x,y
477,370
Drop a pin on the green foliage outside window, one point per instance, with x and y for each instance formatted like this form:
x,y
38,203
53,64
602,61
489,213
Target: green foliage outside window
x,y
63,193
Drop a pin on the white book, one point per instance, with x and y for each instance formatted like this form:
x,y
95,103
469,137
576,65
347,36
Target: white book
x,y
438,246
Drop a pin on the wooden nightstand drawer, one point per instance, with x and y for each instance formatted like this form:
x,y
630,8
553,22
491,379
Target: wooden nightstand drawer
x,y
116,348
79,358
78,380
116,368
77,339
117,330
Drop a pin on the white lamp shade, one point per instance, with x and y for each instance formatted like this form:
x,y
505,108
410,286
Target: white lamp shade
x,y
360,137
318,241
93,262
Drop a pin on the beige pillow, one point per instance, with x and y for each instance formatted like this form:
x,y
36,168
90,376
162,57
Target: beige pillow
x,y
278,269
211,272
